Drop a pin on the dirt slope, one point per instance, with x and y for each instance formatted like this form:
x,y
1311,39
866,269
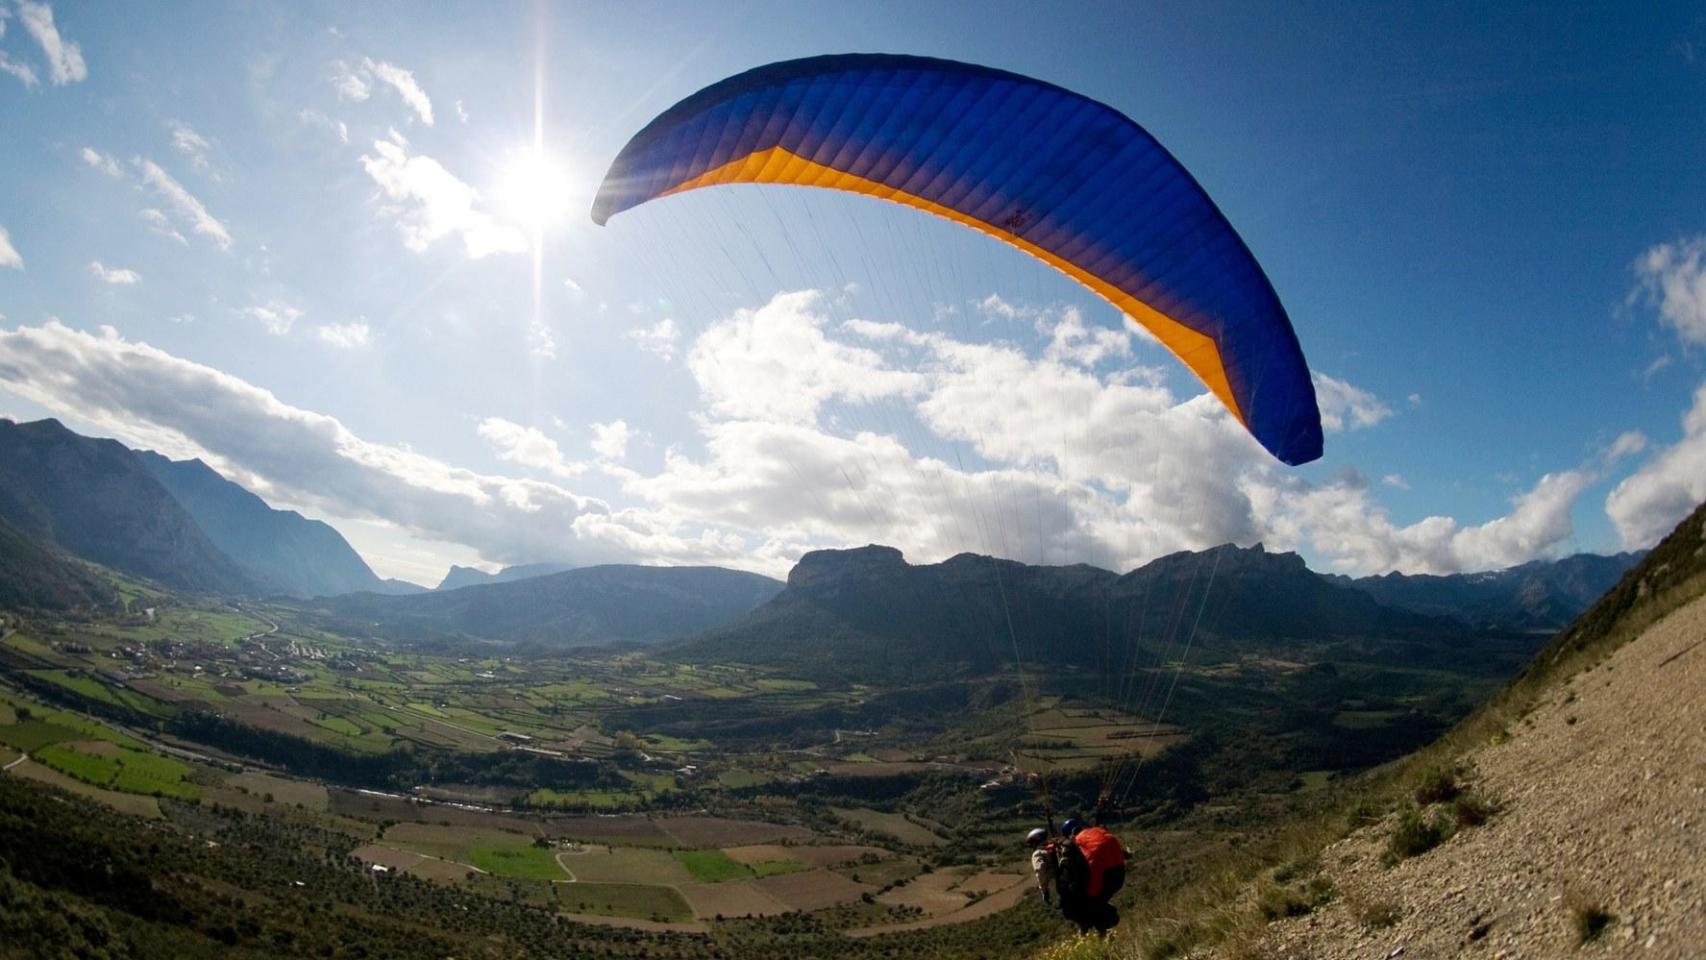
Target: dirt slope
x,y
1601,795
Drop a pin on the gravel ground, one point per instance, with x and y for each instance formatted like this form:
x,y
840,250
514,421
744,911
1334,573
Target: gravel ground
x,y
1601,796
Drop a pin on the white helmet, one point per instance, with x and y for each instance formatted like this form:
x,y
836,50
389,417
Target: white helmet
x,y
1036,836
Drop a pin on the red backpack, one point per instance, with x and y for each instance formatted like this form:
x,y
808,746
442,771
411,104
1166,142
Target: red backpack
x,y
1102,852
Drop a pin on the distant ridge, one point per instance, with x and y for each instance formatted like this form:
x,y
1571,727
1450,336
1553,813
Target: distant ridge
x,y
588,605
1541,595
459,577
94,499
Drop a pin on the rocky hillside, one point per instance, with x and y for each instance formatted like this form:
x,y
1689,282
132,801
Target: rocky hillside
x,y
93,499
31,576
1568,818
280,550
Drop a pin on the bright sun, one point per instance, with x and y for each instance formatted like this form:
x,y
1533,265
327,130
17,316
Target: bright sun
x,y
534,189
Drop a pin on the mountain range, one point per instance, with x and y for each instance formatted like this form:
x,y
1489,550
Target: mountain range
x,y
178,523
182,524
589,605
867,612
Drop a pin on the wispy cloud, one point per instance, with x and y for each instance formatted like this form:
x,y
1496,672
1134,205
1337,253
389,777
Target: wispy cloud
x,y
9,254
188,210
350,84
101,162
160,225
541,342
318,119
276,315
345,336
64,58
193,145
22,71
117,277
659,338
402,81
429,202
356,84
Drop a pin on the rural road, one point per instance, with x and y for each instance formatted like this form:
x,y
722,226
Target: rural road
x,y
14,763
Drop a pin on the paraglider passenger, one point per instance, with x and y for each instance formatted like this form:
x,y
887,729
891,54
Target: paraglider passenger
x,y
1086,867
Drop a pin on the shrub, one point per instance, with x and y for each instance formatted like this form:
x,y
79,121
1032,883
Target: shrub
x,y
1371,912
1276,901
1437,785
1588,917
1415,834
1471,809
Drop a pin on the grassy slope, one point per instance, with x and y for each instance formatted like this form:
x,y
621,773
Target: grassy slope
x,y
1219,901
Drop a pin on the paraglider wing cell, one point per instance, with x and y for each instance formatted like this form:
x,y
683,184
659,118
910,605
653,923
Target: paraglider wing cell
x,y
1062,177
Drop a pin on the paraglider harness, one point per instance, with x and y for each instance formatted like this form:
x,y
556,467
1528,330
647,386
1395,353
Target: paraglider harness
x,y
1090,866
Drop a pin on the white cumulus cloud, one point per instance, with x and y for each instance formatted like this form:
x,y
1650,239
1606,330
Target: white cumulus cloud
x,y
610,440
1672,278
149,398
527,446
776,363
1345,407
1647,504
428,202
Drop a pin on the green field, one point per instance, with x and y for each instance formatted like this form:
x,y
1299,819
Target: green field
x,y
128,771
638,900
771,868
522,862
31,735
712,866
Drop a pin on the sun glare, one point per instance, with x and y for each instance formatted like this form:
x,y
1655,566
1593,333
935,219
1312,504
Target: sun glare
x,y
534,189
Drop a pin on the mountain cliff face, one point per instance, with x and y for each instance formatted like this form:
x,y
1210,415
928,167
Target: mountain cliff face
x,y
870,612
590,605
93,498
280,550
459,577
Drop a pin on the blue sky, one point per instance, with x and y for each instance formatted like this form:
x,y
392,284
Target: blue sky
x,y
343,254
